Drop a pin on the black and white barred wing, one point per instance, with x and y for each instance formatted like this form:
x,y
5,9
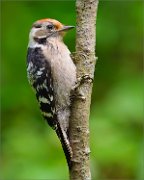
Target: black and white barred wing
x,y
40,78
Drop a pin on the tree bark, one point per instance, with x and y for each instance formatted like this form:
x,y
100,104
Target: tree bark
x,y
85,61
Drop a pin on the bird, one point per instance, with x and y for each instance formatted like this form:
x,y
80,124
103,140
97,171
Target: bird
x,y
52,74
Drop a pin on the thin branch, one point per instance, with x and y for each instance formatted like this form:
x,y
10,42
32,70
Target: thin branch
x,y
85,62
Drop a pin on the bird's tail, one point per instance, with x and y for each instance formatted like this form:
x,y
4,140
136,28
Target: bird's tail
x,y
62,135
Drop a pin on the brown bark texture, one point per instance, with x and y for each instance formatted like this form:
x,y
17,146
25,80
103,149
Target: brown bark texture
x,y
85,61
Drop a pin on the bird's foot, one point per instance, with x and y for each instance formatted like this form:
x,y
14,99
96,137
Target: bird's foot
x,y
76,92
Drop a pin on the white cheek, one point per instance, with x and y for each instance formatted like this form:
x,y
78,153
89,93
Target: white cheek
x,y
32,33
32,42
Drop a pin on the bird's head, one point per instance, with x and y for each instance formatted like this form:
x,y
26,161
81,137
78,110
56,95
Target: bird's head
x,y
45,28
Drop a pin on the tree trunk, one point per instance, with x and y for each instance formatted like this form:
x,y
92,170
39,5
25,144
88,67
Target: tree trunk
x,y
85,61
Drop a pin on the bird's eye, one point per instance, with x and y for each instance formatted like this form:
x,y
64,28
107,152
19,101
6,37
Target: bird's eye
x,y
50,26
38,26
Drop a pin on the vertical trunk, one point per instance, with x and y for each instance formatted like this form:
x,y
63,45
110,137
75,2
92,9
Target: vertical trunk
x,y
85,62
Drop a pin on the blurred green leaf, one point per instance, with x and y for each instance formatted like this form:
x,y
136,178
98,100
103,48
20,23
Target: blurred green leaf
x,y
30,149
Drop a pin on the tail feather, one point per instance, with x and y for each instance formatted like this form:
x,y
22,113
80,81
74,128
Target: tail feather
x,y
65,144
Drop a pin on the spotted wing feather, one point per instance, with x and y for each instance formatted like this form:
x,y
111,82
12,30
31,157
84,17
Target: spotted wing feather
x,y
40,77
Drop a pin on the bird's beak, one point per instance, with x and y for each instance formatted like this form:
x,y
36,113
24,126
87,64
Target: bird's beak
x,y
66,28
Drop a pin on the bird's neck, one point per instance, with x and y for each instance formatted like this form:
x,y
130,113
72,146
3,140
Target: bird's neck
x,y
43,41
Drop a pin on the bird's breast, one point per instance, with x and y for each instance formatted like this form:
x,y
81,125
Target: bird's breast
x,y
63,72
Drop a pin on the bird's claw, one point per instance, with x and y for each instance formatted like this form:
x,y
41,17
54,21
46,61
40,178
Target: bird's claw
x,y
75,92
82,79
85,78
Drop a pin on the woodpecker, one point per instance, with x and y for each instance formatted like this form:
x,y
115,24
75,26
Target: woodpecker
x,y
52,74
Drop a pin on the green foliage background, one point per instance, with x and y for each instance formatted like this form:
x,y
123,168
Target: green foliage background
x,y
30,149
